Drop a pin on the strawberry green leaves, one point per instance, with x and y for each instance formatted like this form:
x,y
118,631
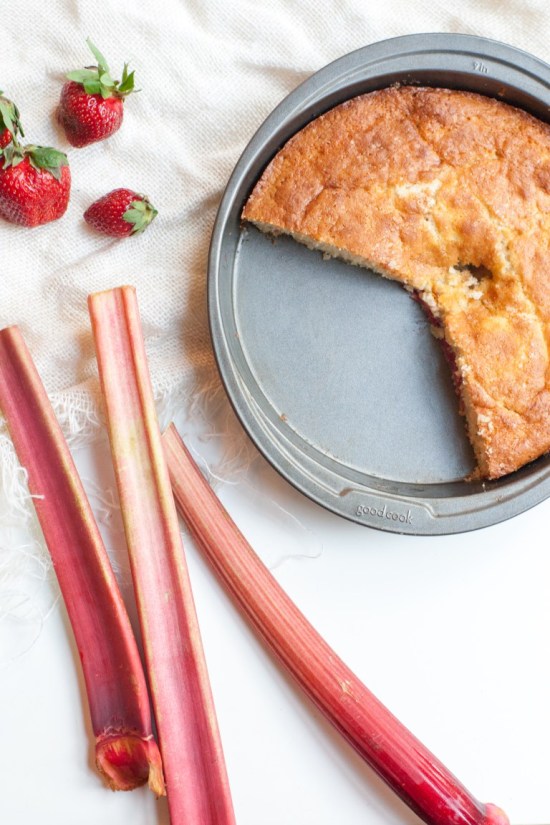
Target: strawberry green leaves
x,y
45,157
9,117
126,85
139,215
102,65
12,155
97,80
40,157
89,78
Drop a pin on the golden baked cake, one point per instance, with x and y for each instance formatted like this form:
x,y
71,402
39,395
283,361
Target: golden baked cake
x,y
447,192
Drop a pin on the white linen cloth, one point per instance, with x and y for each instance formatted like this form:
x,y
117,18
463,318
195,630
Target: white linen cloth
x,y
209,72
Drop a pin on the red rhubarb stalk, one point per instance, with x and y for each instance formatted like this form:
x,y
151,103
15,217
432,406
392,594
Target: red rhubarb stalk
x,y
409,768
126,753
196,780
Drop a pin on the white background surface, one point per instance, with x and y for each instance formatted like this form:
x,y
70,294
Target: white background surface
x,y
451,633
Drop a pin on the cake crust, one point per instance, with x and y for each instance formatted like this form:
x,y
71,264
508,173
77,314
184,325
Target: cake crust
x,y
447,192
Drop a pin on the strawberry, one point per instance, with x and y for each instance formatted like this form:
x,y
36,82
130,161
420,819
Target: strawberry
x,y
120,213
10,125
35,183
91,107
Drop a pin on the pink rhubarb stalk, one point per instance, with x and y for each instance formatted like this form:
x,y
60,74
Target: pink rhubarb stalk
x,y
126,753
196,780
409,768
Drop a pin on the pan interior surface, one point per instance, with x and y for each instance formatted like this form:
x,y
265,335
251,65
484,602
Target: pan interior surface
x,y
347,360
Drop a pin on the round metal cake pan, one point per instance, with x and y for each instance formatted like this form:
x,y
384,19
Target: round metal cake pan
x,y
331,369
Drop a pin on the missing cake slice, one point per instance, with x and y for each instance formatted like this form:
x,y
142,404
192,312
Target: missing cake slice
x,y
447,192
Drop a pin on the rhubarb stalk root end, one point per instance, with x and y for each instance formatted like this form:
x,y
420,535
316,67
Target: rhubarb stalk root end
x,y
127,761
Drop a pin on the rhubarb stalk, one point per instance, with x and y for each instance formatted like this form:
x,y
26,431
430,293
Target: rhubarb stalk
x,y
196,780
126,753
409,768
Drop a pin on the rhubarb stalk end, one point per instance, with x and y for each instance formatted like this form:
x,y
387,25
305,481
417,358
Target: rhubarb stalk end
x,y
127,761
495,816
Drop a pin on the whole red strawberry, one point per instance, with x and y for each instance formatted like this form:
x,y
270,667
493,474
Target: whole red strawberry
x,y
91,107
10,125
35,184
120,212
